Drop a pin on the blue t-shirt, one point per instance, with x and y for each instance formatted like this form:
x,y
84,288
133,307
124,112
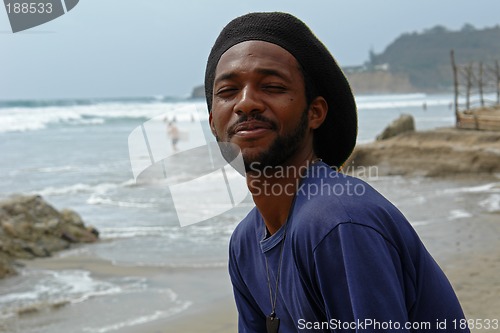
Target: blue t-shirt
x,y
351,263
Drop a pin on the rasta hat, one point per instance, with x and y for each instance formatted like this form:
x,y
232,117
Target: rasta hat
x,y
335,139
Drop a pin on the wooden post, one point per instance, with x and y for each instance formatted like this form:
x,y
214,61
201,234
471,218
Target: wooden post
x,y
480,84
455,85
469,74
497,74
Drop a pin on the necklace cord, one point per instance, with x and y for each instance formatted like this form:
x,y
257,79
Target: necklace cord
x,y
278,273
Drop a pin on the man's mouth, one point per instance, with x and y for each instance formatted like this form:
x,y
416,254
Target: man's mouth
x,y
251,128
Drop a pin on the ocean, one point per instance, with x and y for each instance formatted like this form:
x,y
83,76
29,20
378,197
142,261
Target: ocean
x,y
77,154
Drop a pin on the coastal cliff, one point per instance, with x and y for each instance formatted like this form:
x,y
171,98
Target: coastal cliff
x,y
380,82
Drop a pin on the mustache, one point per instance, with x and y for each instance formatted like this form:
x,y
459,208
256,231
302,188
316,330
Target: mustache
x,y
253,117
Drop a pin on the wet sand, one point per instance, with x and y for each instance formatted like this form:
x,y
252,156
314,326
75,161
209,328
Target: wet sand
x,y
469,253
213,308
467,250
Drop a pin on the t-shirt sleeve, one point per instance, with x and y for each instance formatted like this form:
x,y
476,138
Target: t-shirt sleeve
x,y
361,280
253,321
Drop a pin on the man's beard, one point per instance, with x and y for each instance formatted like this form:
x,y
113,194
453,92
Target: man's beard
x,y
281,149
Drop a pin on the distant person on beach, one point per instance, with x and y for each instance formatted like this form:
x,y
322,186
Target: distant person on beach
x,y
321,251
173,133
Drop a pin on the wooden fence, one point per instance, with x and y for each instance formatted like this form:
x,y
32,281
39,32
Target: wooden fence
x,y
477,95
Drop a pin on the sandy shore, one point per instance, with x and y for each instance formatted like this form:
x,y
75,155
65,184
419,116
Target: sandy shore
x,y
219,317
438,153
214,312
468,251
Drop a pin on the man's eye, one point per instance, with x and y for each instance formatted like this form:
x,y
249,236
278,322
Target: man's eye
x,y
274,88
225,91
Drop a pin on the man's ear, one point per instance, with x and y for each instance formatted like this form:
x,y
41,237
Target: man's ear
x,y
211,122
318,109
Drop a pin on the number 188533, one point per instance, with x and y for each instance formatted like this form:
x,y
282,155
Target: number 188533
x,y
476,324
29,8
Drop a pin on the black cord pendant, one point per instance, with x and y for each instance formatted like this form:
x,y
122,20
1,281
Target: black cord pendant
x,y
272,323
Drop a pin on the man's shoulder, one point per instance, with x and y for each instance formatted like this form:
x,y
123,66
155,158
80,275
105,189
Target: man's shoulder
x,y
328,199
328,191
248,226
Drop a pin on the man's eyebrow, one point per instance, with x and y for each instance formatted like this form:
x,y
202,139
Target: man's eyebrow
x,y
272,72
262,71
226,76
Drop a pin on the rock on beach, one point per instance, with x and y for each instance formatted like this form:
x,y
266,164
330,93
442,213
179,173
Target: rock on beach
x,y
441,152
30,228
404,123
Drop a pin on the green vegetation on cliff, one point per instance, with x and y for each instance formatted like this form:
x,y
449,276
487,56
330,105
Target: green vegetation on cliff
x,y
425,57
420,61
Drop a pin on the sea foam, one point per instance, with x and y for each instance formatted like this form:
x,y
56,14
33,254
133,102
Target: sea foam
x,y
21,119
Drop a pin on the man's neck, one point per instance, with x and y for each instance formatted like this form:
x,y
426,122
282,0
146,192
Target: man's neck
x,y
273,190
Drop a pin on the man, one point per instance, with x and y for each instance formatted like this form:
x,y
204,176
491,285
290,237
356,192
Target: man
x,y
173,133
321,251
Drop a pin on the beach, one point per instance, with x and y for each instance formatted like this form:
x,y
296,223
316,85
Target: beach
x,y
472,265
215,312
468,250
466,247
146,273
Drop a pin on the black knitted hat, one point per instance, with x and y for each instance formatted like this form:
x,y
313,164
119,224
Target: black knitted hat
x,y
335,139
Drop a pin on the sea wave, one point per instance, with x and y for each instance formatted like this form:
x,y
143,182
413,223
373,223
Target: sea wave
x,y
397,104
137,231
41,291
100,194
486,188
26,103
458,214
201,233
48,289
175,306
29,115
419,223
80,188
89,167
491,204
21,117
181,265
58,169
96,199
141,319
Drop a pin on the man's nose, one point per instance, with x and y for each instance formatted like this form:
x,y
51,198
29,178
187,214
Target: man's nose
x,y
249,101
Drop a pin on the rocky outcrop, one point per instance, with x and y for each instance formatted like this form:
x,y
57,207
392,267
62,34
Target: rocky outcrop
x,y
30,228
442,152
198,92
404,123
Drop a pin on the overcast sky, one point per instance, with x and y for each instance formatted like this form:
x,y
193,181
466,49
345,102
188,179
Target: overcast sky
x,y
125,48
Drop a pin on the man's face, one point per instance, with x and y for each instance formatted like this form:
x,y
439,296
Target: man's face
x,y
259,104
